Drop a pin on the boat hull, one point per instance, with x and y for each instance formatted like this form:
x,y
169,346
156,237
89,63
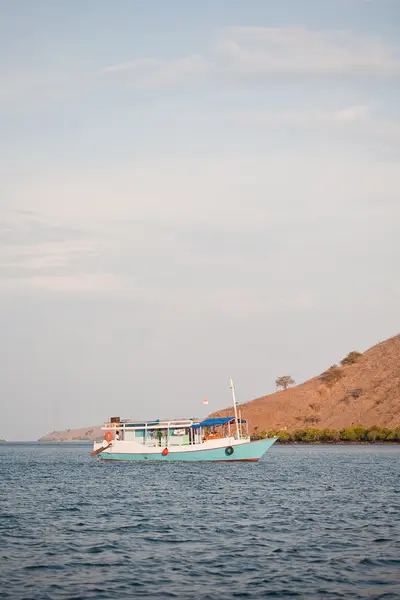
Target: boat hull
x,y
249,452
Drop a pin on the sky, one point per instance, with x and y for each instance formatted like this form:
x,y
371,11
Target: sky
x,y
191,191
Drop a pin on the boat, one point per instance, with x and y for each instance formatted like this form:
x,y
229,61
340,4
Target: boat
x,y
220,439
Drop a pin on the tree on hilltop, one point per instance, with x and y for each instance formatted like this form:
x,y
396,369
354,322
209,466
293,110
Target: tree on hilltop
x,y
284,381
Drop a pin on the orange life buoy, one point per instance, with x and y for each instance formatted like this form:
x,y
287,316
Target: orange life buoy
x,y
108,436
165,452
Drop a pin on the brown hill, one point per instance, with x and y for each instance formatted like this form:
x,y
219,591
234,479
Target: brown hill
x,y
74,435
366,392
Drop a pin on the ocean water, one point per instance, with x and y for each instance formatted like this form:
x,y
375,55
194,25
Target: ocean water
x,y
305,522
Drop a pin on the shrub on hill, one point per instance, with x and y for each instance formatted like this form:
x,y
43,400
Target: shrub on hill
x,y
353,434
351,358
394,435
314,435
379,434
330,435
332,375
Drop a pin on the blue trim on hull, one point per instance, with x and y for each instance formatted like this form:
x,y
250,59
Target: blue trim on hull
x,y
251,451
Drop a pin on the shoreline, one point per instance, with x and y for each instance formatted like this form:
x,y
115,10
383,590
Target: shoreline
x,y
340,443
279,443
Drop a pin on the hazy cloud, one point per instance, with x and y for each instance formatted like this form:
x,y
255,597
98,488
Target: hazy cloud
x,y
296,50
45,255
267,51
236,53
69,284
151,72
360,122
348,115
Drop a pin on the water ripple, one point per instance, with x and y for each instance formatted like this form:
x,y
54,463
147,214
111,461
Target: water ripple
x,y
314,522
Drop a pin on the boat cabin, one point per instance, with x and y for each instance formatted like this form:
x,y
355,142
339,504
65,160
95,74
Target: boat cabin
x,y
179,432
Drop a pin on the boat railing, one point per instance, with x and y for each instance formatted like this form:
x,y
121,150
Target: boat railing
x,y
149,426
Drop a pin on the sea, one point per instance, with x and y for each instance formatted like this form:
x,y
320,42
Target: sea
x,y
305,522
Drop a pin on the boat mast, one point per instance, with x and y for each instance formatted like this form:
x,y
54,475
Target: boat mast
x,y
232,386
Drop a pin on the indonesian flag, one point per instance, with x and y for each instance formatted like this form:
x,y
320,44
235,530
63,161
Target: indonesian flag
x,y
205,401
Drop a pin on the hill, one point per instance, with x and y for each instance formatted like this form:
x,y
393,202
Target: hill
x,y
74,435
364,392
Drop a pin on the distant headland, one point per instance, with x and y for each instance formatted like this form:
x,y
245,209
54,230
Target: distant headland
x,y
357,400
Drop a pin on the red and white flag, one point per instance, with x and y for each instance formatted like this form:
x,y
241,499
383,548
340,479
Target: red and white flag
x,y
205,401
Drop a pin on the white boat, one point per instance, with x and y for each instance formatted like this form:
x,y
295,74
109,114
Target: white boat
x,y
221,439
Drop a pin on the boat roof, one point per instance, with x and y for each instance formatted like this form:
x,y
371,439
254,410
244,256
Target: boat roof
x,y
173,423
215,422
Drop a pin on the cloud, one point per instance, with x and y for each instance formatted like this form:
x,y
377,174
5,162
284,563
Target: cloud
x,y
192,191
152,72
256,52
28,241
358,123
237,53
40,85
214,235
136,66
238,303
69,284
348,115
296,50
37,254
46,255
351,114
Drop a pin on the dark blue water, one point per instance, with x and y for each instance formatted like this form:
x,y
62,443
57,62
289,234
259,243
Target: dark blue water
x,y
306,522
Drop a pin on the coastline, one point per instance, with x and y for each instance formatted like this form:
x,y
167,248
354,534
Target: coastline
x,y
340,443
278,442
354,434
